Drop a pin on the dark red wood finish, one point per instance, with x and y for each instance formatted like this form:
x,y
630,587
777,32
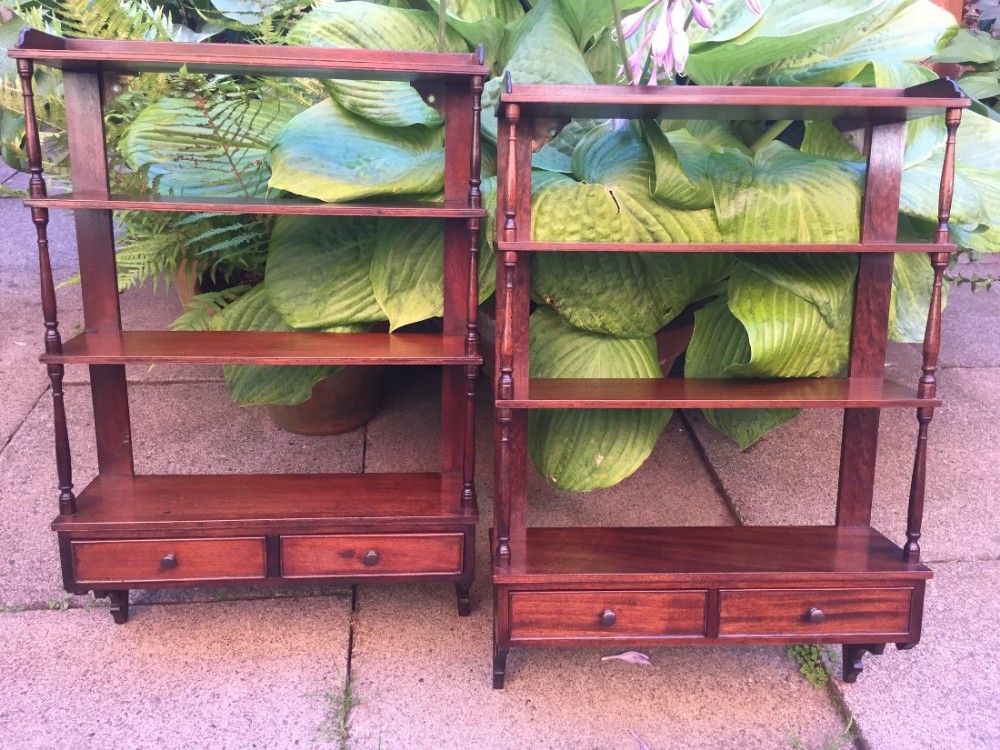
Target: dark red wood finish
x,y
695,393
844,583
297,206
264,348
130,56
165,531
858,106
721,247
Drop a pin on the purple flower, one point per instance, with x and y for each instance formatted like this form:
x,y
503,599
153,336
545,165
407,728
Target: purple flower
x,y
665,37
701,14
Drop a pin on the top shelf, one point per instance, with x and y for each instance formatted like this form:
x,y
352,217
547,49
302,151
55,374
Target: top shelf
x,y
847,105
127,56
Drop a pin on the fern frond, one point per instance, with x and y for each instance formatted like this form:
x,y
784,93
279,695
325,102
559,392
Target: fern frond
x,y
114,19
201,308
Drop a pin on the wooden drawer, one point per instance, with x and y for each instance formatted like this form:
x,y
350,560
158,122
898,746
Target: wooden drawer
x,y
168,560
607,614
809,612
371,555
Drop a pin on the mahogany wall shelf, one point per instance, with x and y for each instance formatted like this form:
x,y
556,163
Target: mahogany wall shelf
x,y
127,530
844,583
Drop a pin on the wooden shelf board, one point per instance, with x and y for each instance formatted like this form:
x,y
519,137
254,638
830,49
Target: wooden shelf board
x,y
856,105
299,207
252,501
128,56
724,247
721,393
732,554
263,348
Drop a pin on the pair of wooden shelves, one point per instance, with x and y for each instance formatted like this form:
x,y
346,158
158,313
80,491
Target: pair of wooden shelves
x,y
845,583
127,530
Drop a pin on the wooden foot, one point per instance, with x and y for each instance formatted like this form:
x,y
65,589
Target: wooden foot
x,y
853,653
906,646
499,669
464,602
119,605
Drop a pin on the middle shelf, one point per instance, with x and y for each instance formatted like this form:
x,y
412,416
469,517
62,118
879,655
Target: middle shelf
x,y
263,348
719,393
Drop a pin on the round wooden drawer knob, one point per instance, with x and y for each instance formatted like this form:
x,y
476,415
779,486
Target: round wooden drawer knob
x,y
816,616
608,618
169,561
370,558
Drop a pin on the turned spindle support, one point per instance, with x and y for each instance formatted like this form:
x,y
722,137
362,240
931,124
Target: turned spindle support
x,y
927,386
53,341
472,301
507,262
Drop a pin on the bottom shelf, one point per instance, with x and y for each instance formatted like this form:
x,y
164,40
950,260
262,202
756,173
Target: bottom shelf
x,y
188,504
706,586
701,554
267,530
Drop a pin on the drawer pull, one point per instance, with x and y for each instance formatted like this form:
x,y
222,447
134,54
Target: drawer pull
x,y
169,561
371,558
816,615
608,618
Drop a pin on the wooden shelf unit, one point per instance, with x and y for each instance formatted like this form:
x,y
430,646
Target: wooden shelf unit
x,y
844,583
127,530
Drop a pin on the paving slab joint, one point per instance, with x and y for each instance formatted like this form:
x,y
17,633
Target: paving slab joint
x,y
717,482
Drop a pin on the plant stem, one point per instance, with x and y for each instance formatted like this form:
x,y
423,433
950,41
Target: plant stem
x,y
772,132
442,24
617,12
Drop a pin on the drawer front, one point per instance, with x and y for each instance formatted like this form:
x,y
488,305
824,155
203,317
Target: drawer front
x,y
607,614
371,555
168,560
808,612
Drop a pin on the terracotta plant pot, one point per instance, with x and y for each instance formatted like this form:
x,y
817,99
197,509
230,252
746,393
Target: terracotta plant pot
x,y
346,399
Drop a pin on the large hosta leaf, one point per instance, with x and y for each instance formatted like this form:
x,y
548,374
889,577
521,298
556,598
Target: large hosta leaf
x,y
740,43
249,12
334,155
919,195
888,41
624,294
784,195
719,341
540,47
407,272
796,310
362,25
318,271
480,21
683,177
252,385
986,184
209,148
587,449
912,279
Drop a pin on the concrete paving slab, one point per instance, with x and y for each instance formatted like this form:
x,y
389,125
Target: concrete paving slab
x,y
941,694
20,240
22,379
227,675
791,476
969,326
424,679
176,429
14,180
